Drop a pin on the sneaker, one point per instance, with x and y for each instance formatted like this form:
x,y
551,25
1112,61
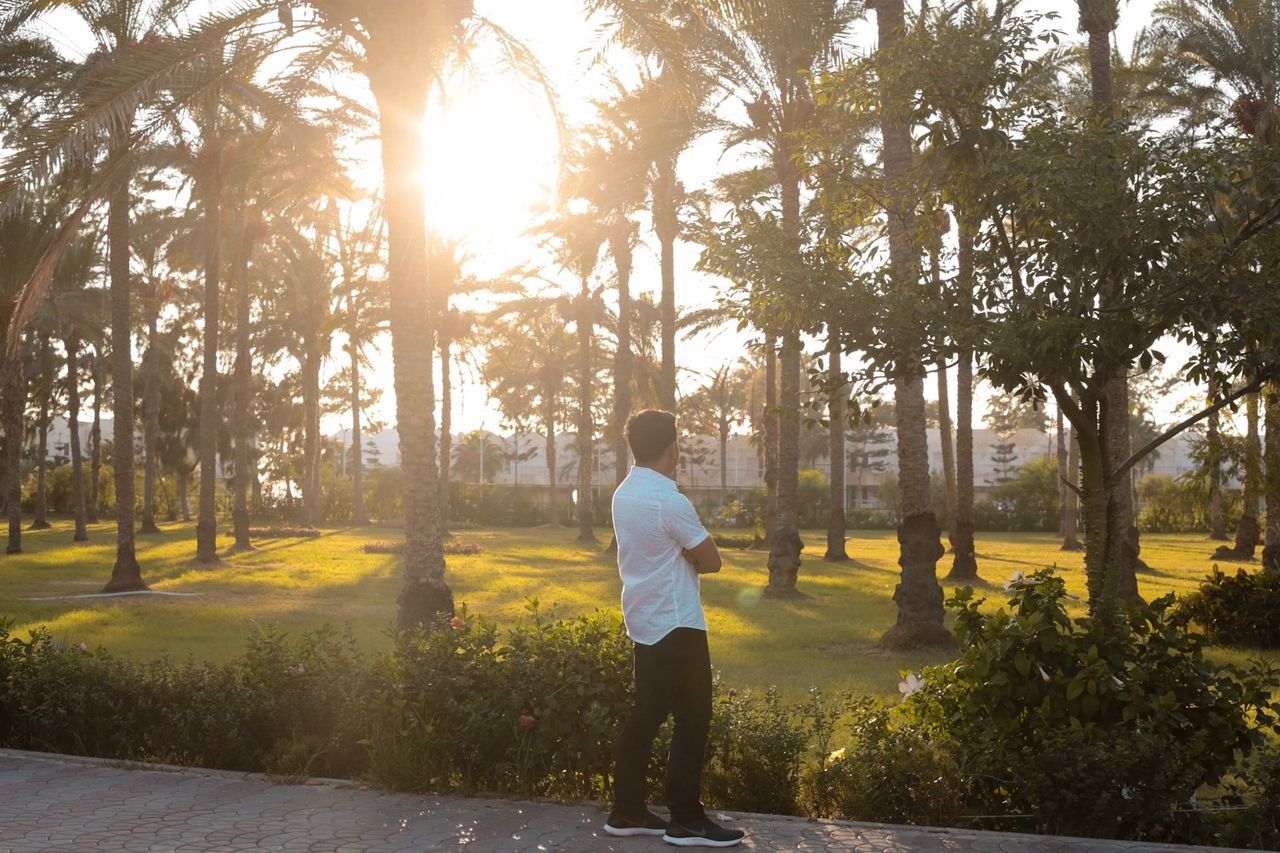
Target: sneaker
x,y
707,833
649,824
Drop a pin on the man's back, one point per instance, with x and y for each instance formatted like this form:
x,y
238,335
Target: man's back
x,y
654,524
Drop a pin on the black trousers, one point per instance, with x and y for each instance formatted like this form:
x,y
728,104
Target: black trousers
x,y
672,678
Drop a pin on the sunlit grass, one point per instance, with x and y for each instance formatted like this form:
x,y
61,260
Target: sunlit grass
x,y
828,639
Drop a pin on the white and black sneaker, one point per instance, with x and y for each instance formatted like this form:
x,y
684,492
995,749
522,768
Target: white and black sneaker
x,y
622,825
705,833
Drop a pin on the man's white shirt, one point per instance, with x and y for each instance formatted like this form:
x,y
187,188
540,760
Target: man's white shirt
x,y
653,523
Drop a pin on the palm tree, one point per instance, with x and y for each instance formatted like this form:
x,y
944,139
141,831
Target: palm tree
x,y
918,595
717,408
667,110
575,239
609,172
762,53
153,228
1235,43
364,315
528,371
1098,20
46,368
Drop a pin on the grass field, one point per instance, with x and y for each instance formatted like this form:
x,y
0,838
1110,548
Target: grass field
x,y
827,640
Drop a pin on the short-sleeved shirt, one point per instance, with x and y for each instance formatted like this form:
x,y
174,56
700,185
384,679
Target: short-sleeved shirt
x,y
653,523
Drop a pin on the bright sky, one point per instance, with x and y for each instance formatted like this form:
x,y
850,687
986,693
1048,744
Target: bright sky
x,y
491,162
492,154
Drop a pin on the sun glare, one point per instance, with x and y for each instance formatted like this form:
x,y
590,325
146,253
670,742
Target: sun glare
x,y
489,160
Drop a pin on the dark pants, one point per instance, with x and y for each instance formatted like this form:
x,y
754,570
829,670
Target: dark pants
x,y
673,677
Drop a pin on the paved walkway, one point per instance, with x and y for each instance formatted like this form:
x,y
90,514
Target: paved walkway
x,y
56,802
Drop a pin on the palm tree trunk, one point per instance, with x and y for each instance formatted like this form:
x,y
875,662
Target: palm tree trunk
x,y
207,511
964,566
1213,438
358,515
836,415
786,545
184,501
126,574
1271,537
40,512
401,96
242,382
945,435
98,369
586,443
1071,517
150,421
73,424
1248,532
1098,19
770,439
918,595
620,248
553,490
311,429
944,405
1060,459
446,418
15,406
667,226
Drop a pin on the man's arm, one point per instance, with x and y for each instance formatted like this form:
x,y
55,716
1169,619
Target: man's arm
x,y
704,556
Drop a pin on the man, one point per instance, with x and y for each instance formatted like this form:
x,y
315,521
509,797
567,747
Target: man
x,y
662,548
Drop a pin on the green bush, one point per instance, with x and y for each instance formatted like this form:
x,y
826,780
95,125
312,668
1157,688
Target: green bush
x,y
755,752
1170,505
285,707
535,715
1236,610
886,772
1028,501
1073,720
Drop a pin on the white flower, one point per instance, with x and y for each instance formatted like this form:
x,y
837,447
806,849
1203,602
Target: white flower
x,y
84,648
1126,792
838,755
1020,580
1043,674
911,685
1118,682
296,669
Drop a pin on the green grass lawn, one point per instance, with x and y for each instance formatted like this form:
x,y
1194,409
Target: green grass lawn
x,y
827,640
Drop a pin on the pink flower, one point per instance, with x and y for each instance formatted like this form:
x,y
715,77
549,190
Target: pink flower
x,y
527,721
84,648
458,623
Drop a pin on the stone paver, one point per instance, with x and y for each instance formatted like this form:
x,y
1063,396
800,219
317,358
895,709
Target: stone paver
x,y
62,803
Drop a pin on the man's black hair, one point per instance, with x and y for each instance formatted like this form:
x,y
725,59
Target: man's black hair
x,y
649,433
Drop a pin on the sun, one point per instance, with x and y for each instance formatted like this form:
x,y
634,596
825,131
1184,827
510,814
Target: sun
x,y
489,161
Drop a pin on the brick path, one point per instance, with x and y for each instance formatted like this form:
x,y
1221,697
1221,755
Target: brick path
x,y
56,802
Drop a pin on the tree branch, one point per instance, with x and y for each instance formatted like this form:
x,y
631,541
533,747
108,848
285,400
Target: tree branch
x,y
1248,388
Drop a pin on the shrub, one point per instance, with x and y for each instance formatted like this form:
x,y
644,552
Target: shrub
x,y
756,749
885,772
279,532
865,518
536,715
452,547
724,540
1170,505
286,707
1236,610
1048,715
